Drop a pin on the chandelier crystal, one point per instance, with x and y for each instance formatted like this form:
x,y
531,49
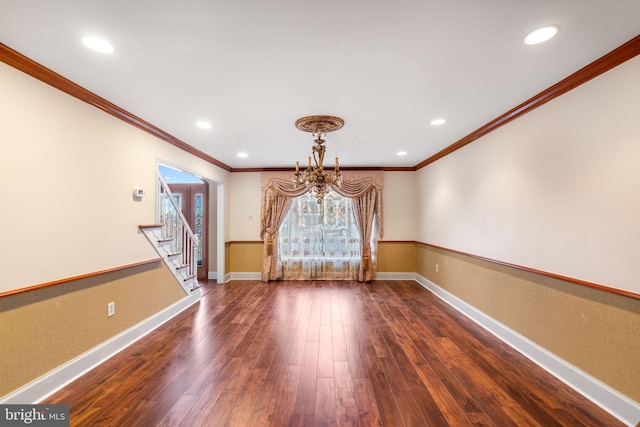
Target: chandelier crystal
x,y
315,176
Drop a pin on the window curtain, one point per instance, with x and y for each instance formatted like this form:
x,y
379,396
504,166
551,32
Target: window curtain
x,y
367,207
364,187
364,208
318,241
276,199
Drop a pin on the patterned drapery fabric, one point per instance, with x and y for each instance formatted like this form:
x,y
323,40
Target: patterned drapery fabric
x,y
365,190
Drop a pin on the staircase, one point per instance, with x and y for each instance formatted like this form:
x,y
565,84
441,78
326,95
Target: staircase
x,y
174,240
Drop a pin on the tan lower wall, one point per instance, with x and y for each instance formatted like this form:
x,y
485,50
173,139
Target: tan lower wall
x,y
594,330
245,257
396,257
46,328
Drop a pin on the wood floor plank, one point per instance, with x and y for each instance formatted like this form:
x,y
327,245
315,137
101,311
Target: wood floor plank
x,y
305,404
368,411
355,352
346,408
183,413
313,327
285,398
254,404
326,406
325,347
386,353
219,413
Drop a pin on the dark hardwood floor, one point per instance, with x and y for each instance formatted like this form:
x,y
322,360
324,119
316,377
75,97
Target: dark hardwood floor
x,y
323,353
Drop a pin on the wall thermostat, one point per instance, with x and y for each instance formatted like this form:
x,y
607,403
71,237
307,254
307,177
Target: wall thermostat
x,y
138,193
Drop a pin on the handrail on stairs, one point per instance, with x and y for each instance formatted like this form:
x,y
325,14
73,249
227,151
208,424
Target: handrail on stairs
x,y
176,231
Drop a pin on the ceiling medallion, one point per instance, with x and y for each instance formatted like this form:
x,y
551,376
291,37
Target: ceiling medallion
x,y
319,124
314,176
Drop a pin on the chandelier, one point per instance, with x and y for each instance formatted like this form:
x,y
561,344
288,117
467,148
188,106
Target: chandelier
x,y
315,176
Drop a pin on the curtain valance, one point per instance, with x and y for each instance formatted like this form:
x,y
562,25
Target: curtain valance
x,y
354,184
348,175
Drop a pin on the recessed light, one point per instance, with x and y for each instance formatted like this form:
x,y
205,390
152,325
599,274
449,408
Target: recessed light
x,y
541,34
402,153
97,44
438,122
243,154
203,124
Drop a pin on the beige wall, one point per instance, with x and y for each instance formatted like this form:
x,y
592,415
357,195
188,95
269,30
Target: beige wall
x,y
400,214
69,171
556,190
400,206
244,206
244,252
44,329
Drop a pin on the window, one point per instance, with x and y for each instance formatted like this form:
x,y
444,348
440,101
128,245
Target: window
x,y
319,240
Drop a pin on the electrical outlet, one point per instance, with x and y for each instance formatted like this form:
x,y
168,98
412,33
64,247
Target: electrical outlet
x,y
111,309
436,268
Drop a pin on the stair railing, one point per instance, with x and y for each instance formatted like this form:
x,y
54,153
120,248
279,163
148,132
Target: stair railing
x,y
176,231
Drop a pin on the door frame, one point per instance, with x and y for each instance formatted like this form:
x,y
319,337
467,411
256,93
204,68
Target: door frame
x,y
217,218
188,192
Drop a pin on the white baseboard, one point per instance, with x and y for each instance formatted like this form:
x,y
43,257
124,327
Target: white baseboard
x,y
617,404
379,276
40,388
212,275
395,276
243,276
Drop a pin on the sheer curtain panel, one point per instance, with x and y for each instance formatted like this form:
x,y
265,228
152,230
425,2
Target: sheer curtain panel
x,y
320,241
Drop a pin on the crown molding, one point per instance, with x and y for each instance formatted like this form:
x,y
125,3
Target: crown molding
x,y
600,66
348,168
42,73
609,61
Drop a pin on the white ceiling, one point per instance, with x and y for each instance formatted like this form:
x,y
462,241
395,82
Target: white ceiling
x,y
253,67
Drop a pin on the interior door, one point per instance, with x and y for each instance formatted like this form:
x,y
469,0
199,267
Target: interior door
x,y
195,199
